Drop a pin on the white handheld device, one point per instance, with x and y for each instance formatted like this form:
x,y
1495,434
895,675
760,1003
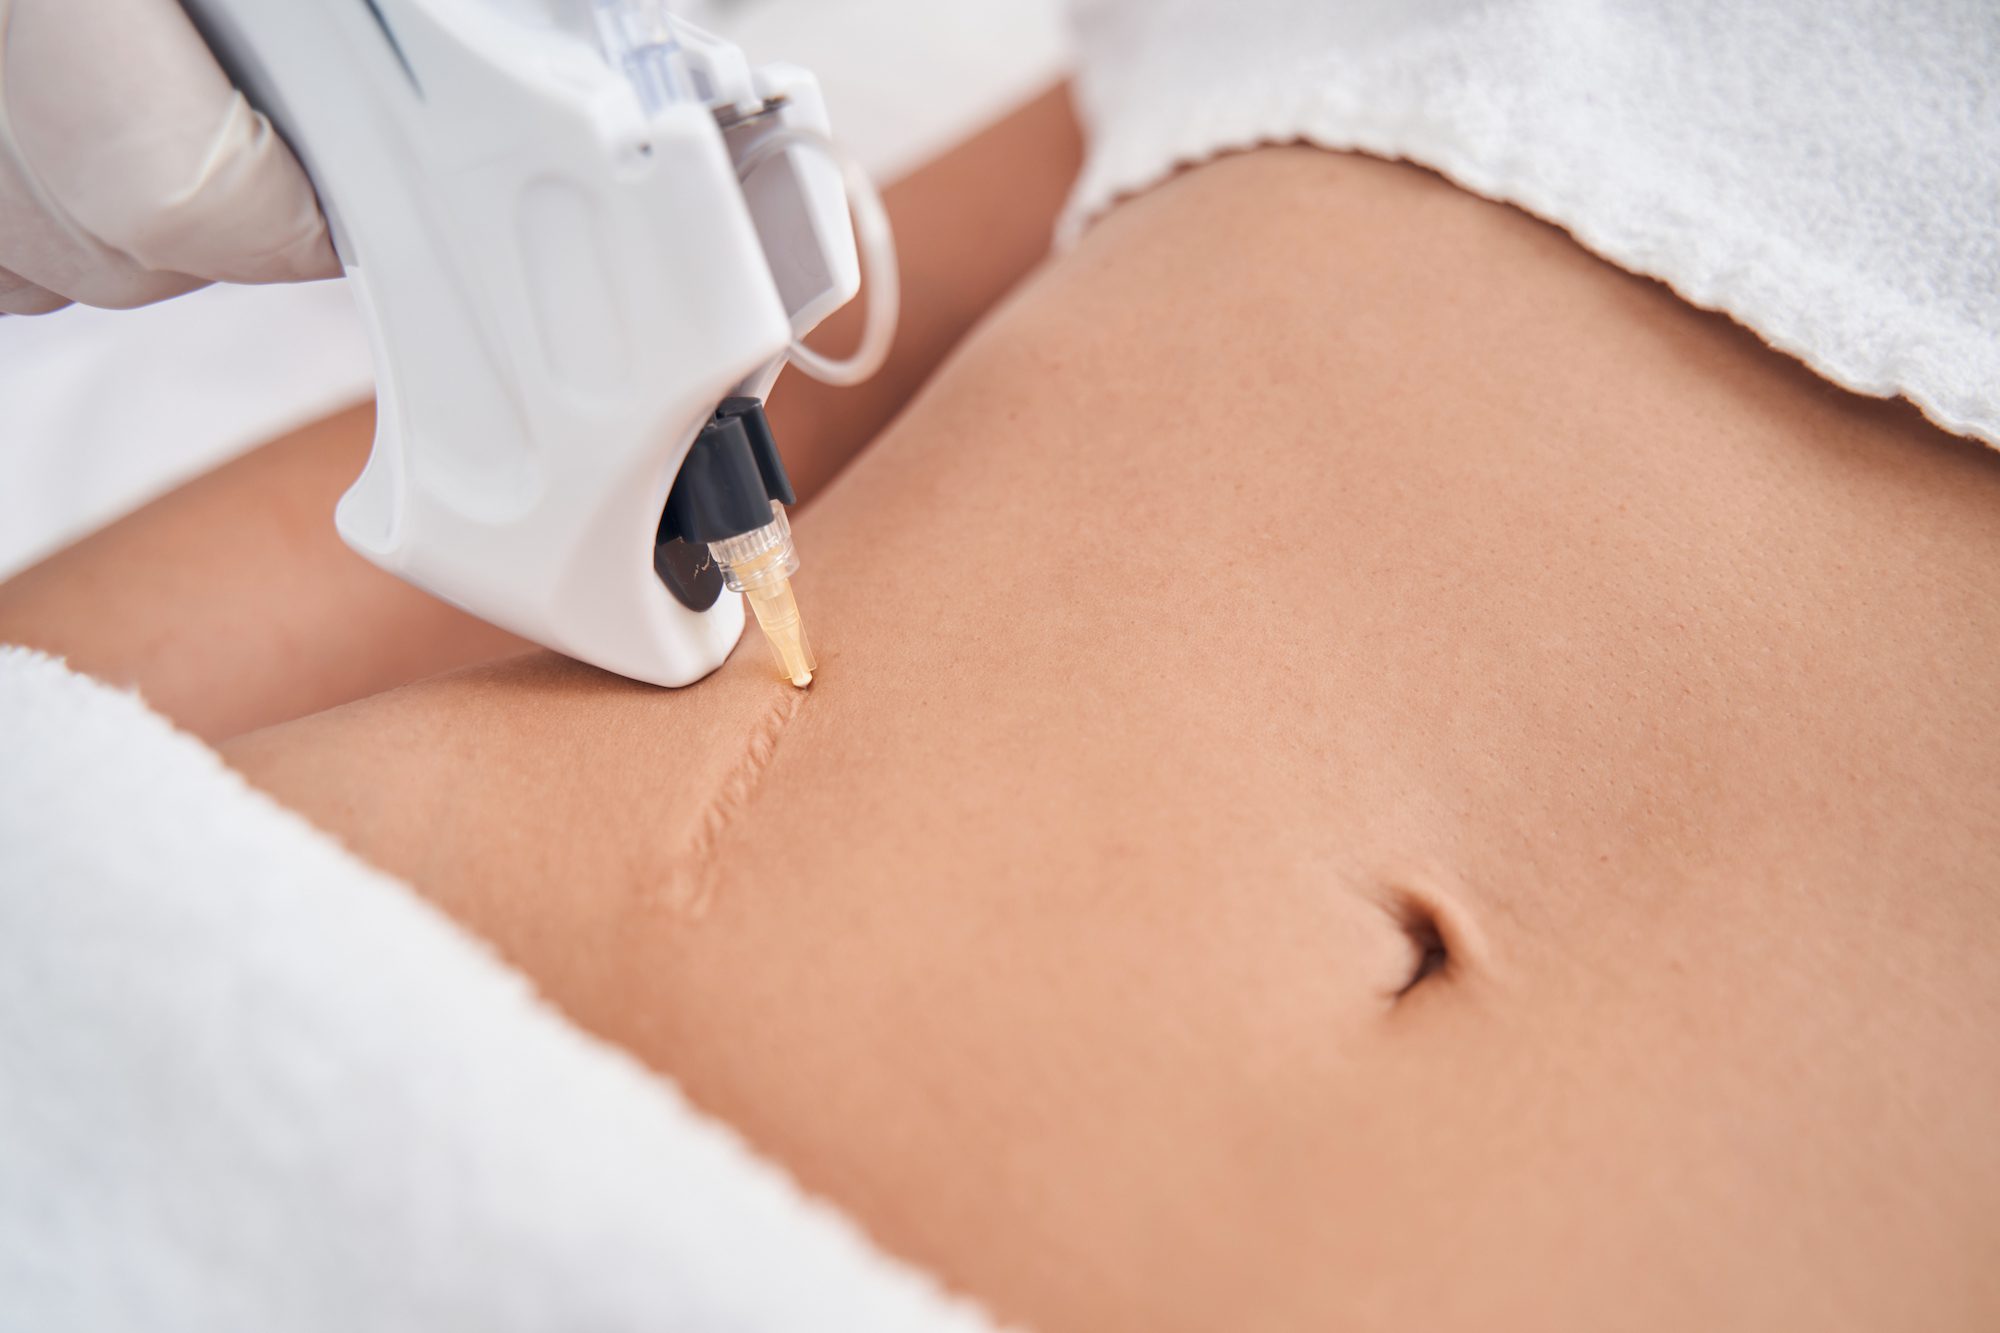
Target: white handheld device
x,y
576,228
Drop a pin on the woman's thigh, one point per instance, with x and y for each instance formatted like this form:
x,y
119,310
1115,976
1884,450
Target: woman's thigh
x,y
1367,767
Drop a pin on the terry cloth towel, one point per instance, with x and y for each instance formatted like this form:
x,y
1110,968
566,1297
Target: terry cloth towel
x,y
248,1083
1827,172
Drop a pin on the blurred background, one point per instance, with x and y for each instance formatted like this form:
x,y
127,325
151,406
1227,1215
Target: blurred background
x,y
101,410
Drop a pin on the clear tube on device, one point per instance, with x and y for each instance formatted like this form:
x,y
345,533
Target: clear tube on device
x,y
760,564
639,38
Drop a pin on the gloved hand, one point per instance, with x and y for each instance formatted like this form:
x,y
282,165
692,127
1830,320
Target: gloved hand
x,y
130,169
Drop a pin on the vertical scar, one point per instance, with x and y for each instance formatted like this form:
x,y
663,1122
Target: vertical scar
x,y
691,876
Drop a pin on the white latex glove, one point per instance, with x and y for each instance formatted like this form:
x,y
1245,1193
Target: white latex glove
x,y
131,169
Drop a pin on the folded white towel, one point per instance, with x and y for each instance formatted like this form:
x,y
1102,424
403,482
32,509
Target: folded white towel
x,y
1828,173
247,1082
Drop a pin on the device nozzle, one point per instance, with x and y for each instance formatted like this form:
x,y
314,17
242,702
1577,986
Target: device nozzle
x,y
778,615
760,564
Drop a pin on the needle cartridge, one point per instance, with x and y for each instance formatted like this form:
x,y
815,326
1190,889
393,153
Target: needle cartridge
x,y
760,564
725,526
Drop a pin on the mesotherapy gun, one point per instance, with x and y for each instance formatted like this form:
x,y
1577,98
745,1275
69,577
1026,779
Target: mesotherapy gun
x,y
585,237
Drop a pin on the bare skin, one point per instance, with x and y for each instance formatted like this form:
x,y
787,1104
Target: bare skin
x,y
1369,771
1317,567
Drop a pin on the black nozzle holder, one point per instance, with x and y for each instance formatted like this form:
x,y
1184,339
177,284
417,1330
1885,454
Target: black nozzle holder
x,y
726,485
731,475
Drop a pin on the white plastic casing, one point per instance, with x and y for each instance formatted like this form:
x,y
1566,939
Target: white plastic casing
x,y
559,291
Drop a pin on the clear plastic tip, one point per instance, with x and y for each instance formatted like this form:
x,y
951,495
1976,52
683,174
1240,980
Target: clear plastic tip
x,y
760,564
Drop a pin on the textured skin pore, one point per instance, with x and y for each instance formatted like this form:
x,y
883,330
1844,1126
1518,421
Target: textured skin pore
x,y
1319,581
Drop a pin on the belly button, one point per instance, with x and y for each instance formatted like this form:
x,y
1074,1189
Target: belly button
x,y
1441,939
1428,944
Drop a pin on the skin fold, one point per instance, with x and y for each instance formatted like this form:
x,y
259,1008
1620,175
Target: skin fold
x,y
1369,770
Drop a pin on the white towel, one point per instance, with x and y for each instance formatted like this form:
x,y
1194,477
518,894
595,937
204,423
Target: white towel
x,y
248,1083
1827,172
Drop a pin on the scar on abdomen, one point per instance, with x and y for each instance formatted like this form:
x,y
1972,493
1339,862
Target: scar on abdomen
x,y
691,876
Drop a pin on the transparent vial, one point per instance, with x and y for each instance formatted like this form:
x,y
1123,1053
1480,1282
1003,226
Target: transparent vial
x,y
760,564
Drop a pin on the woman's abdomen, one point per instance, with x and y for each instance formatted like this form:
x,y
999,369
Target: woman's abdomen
x,y
1368,769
